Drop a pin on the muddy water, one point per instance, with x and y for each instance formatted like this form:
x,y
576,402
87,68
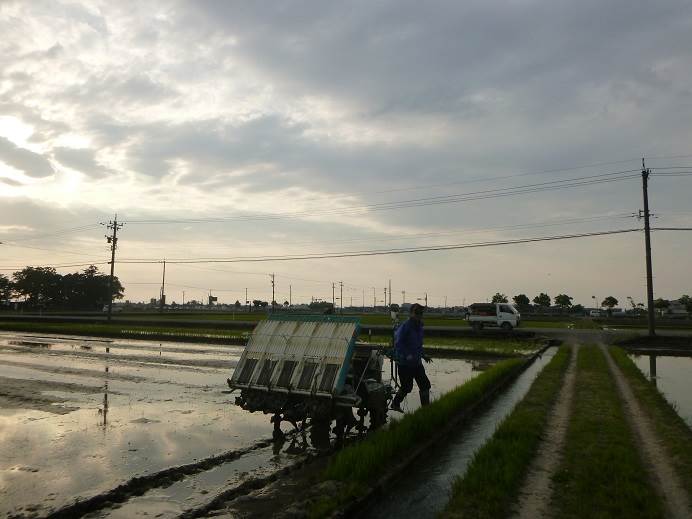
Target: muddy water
x,y
673,377
80,416
425,490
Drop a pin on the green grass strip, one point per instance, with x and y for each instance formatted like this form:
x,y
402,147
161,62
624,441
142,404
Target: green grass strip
x,y
364,461
668,424
602,474
496,473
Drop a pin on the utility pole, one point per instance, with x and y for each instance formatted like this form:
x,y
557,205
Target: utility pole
x,y
333,297
363,300
374,299
426,300
113,240
273,300
183,297
390,294
341,296
162,300
290,295
647,244
247,302
385,298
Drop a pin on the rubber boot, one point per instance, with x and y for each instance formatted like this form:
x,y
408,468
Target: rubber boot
x,y
424,397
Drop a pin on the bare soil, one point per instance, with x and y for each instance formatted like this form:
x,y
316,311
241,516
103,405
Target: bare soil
x,y
534,497
663,475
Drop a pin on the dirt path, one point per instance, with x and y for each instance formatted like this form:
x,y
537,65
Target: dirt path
x,y
534,497
653,451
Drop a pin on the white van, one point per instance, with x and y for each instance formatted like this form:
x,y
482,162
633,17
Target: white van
x,y
502,315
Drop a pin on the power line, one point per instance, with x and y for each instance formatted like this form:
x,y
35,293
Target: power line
x,y
380,252
416,202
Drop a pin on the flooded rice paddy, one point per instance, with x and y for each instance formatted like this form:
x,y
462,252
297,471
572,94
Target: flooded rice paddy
x,y
81,416
673,377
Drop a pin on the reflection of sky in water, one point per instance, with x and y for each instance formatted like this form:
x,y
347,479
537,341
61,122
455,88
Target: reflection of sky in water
x,y
673,379
167,415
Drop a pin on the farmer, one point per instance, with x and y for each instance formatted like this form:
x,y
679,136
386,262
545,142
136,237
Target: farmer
x,y
408,352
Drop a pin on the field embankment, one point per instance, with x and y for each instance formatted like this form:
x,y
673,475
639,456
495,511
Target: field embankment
x,y
602,470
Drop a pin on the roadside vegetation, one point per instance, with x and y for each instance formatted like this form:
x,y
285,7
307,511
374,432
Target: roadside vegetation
x,y
360,464
494,477
669,425
601,469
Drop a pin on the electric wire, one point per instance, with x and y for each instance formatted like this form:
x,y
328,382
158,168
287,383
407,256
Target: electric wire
x,y
416,202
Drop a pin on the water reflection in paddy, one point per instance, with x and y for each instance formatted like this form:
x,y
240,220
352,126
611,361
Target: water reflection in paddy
x,y
125,413
673,377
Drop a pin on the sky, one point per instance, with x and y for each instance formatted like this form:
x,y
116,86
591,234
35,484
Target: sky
x,y
220,130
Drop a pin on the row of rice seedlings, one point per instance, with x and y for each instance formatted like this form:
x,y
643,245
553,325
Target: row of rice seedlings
x,y
496,473
365,461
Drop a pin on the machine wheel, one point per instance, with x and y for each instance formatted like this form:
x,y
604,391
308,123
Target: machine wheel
x,y
506,326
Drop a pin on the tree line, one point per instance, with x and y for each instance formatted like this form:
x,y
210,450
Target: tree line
x,y
44,288
564,302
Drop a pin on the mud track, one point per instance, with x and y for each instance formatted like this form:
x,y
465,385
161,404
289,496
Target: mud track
x,y
663,475
534,497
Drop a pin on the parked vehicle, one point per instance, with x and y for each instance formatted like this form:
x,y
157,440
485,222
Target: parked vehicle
x,y
595,313
501,315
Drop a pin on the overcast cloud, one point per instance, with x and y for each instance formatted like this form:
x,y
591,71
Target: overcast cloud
x,y
226,109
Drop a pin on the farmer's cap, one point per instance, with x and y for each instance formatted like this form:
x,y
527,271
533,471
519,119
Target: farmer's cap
x,y
417,309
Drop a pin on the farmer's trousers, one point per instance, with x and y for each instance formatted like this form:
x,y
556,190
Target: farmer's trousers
x,y
407,374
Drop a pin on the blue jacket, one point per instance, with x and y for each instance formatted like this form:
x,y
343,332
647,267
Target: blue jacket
x,y
408,343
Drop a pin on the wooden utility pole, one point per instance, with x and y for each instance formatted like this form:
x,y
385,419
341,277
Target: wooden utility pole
x,y
273,299
647,244
113,240
162,301
341,296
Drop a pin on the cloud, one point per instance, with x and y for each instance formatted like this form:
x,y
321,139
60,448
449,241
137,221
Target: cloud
x,y
32,164
80,159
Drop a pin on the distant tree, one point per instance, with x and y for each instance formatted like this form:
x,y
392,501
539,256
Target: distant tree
x,y
40,285
499,298
320,305
661,303
521,300
631,302
579,309
563,301
394,307
687,301
6,288
286,303
542,299
257,303
88,290
237,304
609,302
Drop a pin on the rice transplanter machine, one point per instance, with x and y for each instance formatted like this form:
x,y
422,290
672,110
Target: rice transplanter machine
x,y
300,367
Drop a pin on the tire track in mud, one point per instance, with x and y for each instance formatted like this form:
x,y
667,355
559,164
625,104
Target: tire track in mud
x,y
138,485
661,469
534,497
